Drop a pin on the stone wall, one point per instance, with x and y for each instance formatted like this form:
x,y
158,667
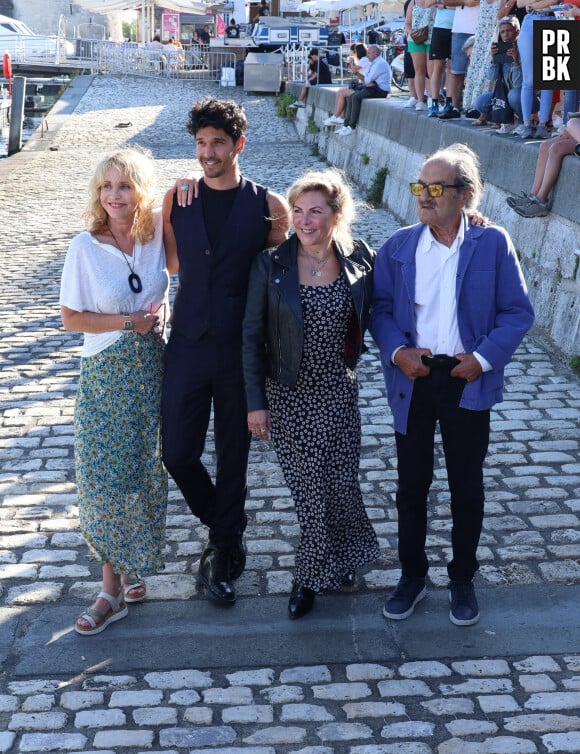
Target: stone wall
x,y
43,16
397,140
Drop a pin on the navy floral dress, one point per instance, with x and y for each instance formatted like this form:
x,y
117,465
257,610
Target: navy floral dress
x,y
316,433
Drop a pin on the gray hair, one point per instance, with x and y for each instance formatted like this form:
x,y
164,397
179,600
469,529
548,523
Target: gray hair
x,y
512,21
334,186
466,164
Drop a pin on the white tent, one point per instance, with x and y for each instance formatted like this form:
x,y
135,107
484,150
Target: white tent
x,y
106,6
147,8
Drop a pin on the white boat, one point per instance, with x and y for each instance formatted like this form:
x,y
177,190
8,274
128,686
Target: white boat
x,y
18,39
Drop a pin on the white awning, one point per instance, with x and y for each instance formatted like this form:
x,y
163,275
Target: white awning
x,y
108,6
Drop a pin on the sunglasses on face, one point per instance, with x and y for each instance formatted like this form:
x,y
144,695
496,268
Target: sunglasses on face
x,y
435,190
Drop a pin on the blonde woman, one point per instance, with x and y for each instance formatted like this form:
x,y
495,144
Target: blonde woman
x,y
114,290
306,314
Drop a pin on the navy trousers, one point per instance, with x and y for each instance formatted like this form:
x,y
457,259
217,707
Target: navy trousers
x,y
465,437
197,375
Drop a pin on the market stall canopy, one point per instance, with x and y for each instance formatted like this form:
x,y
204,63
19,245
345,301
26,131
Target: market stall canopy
x,y
330,5
107,6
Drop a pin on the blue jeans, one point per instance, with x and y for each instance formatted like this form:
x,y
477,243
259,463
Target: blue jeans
x,y
526,50
570,104
483,102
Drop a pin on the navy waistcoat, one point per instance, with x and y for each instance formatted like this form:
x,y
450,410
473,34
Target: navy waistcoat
x,y
213,281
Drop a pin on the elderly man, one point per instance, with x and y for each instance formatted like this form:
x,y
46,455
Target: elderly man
x,y
377,82
450,308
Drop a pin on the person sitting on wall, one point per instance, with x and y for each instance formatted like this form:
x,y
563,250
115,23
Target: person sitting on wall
x,y
548,166
510,71
377,83
358,66
318,73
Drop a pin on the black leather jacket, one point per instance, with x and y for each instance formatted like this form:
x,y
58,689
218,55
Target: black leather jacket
x,y
273,332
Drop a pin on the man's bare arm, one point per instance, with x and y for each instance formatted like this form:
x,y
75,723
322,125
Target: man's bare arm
x,y
279,217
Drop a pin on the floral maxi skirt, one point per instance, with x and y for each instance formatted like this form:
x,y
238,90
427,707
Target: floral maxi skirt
x,y
122,485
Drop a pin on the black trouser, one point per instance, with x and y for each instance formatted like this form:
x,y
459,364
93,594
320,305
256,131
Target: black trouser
x,y
465,436
354,103
195,375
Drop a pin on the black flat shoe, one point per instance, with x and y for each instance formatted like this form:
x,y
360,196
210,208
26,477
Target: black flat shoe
x,y
301,601
349,580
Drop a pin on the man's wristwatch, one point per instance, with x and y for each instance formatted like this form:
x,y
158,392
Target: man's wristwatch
x,y
128,325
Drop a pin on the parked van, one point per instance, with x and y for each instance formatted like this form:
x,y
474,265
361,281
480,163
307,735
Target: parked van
x,y
23,44
274,31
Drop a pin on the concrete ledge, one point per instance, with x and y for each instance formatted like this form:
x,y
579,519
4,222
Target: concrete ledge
x,y
198,634
391,137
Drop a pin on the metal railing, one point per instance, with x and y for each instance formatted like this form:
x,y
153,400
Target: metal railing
x,y
296,61
198,62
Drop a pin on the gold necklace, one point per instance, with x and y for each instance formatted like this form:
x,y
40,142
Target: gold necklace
x,y
316,272
135,283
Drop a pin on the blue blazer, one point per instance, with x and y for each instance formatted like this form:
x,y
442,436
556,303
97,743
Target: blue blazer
x,y
494,311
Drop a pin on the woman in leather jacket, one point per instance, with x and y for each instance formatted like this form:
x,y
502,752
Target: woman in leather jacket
x,y
307,310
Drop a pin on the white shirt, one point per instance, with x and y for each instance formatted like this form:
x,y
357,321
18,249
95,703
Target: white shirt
x,y
364,64
95,279
465,20
380,72
435,296
435,302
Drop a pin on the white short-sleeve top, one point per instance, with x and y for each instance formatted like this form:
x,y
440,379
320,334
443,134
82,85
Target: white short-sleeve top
x,y
95,279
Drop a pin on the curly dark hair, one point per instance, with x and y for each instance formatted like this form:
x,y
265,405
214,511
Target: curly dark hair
x,y
226,115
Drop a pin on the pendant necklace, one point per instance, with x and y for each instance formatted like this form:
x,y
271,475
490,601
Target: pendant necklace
x,y
135,283
316,272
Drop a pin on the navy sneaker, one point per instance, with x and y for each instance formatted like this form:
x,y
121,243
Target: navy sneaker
x,y
408,593
433,111
453,112
464,608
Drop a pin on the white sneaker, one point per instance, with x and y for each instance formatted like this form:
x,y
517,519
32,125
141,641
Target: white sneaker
x,y
346,130
339,131
421,106
336,119
518,130
411,102
506,128
329,121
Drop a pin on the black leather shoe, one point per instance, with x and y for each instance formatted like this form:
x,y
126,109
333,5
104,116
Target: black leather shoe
x,y
301,601
214,575
237,559
349,580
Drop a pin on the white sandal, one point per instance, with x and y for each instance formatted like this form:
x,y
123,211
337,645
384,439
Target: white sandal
x,y
116,612
131,583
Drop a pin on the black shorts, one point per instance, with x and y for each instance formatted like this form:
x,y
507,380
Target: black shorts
x,y
440,44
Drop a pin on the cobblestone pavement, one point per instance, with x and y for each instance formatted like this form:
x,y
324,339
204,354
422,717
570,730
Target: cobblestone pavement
x,y
519,704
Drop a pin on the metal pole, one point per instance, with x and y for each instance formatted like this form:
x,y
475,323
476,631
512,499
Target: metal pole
x,y
16,115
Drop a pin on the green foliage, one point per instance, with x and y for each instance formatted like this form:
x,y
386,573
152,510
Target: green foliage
x,y
311,126
283,102
575,364
315,151
365,159
375,192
